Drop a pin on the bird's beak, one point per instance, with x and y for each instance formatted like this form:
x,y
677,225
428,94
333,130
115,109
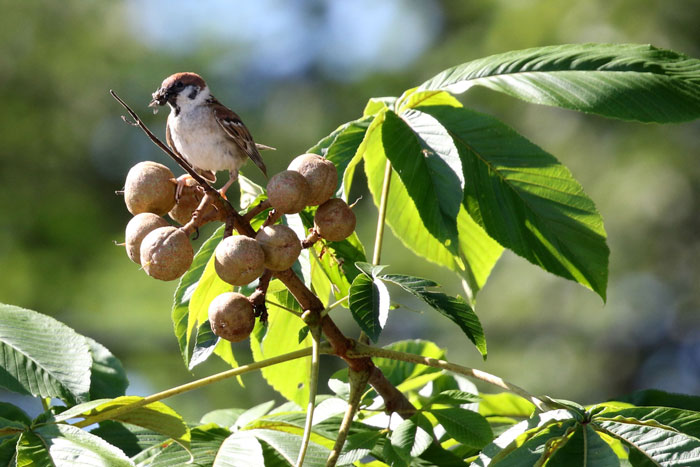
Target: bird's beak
x,y
160,97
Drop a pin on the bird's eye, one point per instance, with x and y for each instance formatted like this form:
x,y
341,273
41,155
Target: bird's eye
x,y
179,85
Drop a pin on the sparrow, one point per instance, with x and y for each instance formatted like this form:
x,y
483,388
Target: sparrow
x,y
207,134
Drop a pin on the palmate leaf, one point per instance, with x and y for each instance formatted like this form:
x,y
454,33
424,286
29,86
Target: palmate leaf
x,y
525,199
584,448
472,254
625,81
42,357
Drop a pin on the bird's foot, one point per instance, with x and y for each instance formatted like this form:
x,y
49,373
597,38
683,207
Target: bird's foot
x,y
182,182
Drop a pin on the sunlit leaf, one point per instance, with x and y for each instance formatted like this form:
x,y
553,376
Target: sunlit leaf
x,y
182,322
626,81
369,304
465,426
42,357
291,379
155,416
472,257
412,437
398,372
67,446
239,449
517,446
668,436
287,445
206,441
131,439
526,200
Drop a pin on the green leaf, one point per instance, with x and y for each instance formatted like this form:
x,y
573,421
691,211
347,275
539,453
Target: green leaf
x,y
131,439
666,435
155,416
67,446
475,253
222,417
519,440
107,376
357,446
8,448
526,200
42,357
505,404
369,304
206,441
453,397
291,379
204,345
412,437
437,455
465,426
287,445
341,149
626,81
655,397
584,448
378,104
454,308
398,372
182,323
391,456
332,263
252,414
13,413
239,449
433,179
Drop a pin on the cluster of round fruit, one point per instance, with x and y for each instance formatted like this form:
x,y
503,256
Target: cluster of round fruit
x,y
164,251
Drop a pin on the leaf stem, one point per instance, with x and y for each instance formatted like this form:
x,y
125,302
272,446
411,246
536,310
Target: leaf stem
x,y
45,403
313,388
381,218
110,414
278,305
333,305
358,381
362,350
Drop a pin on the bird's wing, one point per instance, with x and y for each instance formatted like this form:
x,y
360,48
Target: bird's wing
x,y
232,124
208,174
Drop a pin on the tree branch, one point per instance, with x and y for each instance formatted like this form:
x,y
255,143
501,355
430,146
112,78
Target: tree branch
x,y
393,398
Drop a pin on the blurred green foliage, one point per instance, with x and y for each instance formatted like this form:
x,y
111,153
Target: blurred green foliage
x,y
294,74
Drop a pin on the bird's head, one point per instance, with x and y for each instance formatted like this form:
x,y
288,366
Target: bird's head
x,y
177,89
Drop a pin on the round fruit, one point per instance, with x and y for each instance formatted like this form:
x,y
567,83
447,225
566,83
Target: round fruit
x,y
166,253
149,187
189,200
288,192
281,246
239,260
231,316
321,175
334,220
137,228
